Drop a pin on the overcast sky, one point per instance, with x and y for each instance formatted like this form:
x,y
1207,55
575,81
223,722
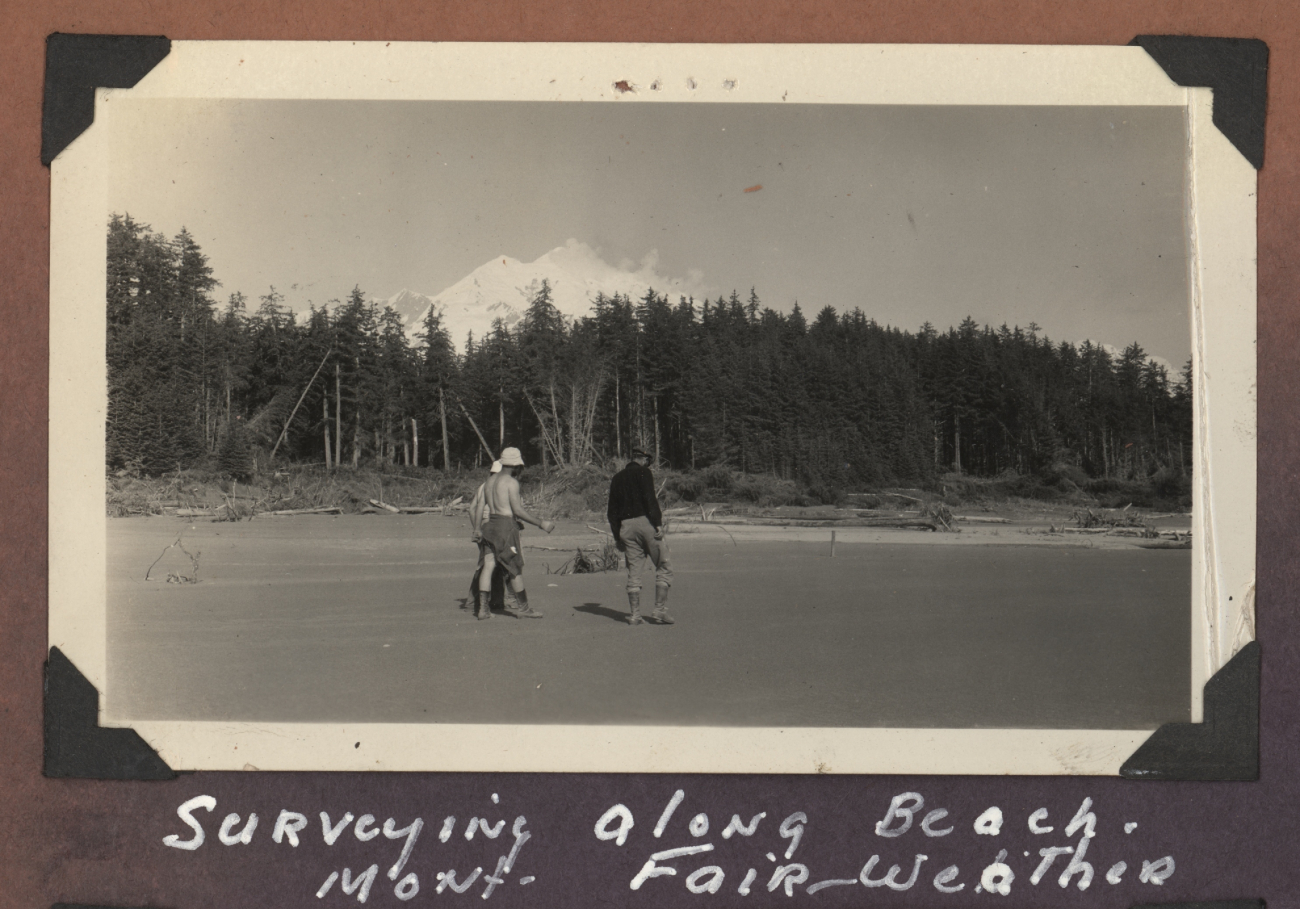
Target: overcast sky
x,y
1068,217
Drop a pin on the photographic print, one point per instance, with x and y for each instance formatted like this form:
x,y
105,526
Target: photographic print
x,y
654,411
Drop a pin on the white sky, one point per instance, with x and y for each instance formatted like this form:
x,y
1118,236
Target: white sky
x,y
1070,217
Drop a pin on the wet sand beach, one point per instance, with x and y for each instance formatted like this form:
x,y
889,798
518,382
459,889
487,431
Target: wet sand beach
x,y
360,618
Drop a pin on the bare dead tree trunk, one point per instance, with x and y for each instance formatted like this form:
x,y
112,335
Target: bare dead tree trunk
x,y
356,439
956,444
559,431
338,418
656,400
474,426
302,397
618,418
574,428
446,449
549,441
415,443
589,415
501,418
325,408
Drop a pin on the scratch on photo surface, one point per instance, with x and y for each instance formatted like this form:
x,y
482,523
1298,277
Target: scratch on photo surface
x,y
1081,758
1245,630
753,189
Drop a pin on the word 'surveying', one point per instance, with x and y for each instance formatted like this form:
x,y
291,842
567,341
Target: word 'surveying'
x,y
292,829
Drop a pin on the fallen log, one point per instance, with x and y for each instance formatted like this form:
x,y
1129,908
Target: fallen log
x,y
972,519
1165,544
798,523
423,509
392,509
290,512
564,548
194,512
898,495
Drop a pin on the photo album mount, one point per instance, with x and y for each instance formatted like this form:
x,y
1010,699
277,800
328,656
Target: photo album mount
x,y
1221,742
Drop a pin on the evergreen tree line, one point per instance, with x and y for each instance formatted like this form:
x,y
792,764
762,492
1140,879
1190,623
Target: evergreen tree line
x,y
838,401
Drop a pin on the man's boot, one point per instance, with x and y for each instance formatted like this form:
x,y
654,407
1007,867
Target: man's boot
x,y
482,604
522,609
634,601
661,615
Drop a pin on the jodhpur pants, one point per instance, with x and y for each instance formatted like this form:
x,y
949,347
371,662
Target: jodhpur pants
x,y
639,537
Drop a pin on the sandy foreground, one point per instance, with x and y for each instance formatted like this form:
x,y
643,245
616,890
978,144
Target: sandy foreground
x,y
361,618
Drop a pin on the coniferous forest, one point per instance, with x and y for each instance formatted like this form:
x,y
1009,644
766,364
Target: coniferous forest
x,y
829,399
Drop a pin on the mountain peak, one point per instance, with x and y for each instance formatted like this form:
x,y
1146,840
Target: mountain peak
x,y
503,287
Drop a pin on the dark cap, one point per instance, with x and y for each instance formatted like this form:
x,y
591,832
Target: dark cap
x,y
640,453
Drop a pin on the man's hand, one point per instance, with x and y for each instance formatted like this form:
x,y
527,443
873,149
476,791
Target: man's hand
x,y
548,526
619,544
659,533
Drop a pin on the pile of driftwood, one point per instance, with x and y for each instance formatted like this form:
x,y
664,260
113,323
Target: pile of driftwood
x,y
1088,519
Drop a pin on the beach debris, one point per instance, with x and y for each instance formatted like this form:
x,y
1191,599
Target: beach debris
x,y
592,560
178,576
942,517
392,509
1114,518
194,513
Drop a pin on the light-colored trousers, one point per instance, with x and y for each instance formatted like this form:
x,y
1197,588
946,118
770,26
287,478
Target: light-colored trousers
x,y
639,536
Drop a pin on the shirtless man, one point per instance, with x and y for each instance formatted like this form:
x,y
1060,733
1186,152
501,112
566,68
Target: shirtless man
x,y
500,539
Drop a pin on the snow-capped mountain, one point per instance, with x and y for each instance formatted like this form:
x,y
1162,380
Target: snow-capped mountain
x,y
502,288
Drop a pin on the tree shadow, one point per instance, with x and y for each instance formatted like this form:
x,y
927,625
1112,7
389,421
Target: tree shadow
x,y
602,611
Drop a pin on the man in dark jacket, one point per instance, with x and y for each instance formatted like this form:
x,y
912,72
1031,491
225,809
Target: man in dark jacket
x,y
637,523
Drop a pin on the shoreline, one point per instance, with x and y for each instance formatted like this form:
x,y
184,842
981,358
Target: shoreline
x,y
572,535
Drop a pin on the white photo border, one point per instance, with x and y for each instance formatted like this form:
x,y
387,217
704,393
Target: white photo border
x,y
1222,245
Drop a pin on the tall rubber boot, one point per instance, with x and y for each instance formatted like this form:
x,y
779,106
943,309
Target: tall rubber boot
x,y
661,615
522,609
634,601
